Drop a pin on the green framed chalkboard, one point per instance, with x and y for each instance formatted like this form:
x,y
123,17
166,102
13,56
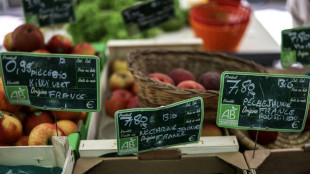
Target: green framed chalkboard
x,y
48,12
147,15
295,47
51,81
145,129
261,101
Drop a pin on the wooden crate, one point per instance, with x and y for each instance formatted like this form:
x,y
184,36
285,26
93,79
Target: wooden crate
x,y
57,155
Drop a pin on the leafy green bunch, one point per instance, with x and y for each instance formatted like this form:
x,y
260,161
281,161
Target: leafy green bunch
x,y
101,20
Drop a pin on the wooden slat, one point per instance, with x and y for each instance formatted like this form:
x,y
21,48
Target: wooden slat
x,y
69,162
28,155
60,145
206,145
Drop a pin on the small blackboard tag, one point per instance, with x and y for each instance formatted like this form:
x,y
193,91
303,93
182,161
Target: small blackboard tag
x,y
147,15
145,129
51,81
263,101
295,46
48,12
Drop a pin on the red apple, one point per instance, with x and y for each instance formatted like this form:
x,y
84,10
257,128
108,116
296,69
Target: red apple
x,y
163,78
43,51
42,134
264,137
83,117
210,80
21,115
117,101
7,42
83,48
178,75
4,104
11,129
121,79
22,141
133,103
27,37
190,84
134,89
209,129
59,44
67,126
66,115
36,118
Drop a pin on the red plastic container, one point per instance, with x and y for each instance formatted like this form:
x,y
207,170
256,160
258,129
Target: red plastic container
x,y
221,24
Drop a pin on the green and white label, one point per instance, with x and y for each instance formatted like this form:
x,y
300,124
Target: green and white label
x,y
18,95
229,115
263,101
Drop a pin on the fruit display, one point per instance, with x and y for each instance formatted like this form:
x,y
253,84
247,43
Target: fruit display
x,y
122,91
29,38
26,125
184,79
37,127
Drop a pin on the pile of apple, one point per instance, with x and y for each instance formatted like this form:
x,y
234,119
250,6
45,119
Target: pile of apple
x,y
23,125
184,79
29,38
123,92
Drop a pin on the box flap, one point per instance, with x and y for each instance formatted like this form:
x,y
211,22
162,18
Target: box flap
x,y
160,154
236,159
259,158
284,161
85,164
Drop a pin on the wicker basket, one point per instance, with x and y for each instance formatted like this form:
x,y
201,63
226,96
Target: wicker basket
x,y
283,141
154,94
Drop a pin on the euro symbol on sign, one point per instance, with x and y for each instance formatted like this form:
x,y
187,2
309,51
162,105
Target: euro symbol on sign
x,y
295,124
90,104
192,138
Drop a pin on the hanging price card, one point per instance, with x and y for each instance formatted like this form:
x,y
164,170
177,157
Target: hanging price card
x,y
145,129
263,101
51,81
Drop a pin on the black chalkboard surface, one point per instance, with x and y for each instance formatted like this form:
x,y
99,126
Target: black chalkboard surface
x,y
48,12
145,129
295,46
148,15
51,81
263,101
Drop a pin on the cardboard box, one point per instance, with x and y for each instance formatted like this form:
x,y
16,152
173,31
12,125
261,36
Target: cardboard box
x,y
284,161
59,154
228,163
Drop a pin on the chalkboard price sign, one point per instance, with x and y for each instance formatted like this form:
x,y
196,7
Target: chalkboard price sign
x,y
48,12
147,15
145,129
296,46
51,81
263,101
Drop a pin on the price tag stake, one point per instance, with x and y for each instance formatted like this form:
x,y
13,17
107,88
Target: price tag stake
x,y
255,144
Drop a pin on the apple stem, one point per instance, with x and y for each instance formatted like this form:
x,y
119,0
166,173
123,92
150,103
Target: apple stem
x,y
56,122
255,144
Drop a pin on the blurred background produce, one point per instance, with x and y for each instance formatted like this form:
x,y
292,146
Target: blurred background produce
x,y
97,20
